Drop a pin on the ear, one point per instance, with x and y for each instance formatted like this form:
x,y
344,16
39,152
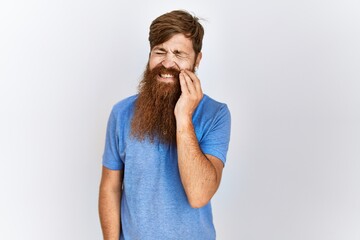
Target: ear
x,y
198,59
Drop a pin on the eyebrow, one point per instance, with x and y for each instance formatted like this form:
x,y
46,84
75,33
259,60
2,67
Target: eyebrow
x,y
164,50
180,52
159,49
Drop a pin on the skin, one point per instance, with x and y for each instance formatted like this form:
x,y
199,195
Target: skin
x,y
200,173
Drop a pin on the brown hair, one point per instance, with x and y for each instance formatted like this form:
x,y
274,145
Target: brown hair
x,y
178,21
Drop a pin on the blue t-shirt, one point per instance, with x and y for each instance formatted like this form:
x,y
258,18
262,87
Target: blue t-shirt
x,y
154,205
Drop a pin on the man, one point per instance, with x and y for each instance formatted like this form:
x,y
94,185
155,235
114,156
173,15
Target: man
x,y
165,147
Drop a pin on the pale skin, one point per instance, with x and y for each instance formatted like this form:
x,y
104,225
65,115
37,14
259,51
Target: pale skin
x,y
200,173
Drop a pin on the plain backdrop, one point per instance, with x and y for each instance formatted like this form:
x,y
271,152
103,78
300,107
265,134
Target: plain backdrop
x,y
288,70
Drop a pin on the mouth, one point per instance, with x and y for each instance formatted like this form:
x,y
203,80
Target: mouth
x,y
166,77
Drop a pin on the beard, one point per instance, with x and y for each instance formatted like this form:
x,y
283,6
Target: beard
x,y
154,108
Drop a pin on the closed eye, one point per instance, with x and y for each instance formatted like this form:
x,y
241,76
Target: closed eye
x,y
159,51
180,54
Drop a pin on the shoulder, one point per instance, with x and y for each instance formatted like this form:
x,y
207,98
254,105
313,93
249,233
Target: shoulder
x,y
210,107
121,114
209,115
124,106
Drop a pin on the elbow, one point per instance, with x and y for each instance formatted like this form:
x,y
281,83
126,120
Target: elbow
x,y
198,202
200,197
197,205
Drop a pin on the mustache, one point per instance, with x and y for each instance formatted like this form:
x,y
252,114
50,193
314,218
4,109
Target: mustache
x,y
162,70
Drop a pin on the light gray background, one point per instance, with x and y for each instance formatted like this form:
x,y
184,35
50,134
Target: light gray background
x,y
288,70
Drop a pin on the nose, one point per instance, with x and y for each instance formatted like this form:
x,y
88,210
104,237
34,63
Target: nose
x,y
168,62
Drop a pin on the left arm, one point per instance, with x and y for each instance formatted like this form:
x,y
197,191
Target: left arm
x,y
200,173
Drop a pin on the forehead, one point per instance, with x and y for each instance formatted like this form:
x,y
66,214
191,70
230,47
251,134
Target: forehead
x,y
177,42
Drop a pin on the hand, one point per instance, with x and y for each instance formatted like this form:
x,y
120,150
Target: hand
x,y
191,95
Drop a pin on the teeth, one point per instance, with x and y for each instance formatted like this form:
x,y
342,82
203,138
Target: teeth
x,y
167,76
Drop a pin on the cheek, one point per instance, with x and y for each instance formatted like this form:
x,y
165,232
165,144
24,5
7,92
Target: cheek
x,y
185,65
153,62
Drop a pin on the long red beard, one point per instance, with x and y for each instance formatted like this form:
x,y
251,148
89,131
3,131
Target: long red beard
x,y
154,108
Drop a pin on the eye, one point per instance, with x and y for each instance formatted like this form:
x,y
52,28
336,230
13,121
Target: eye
x,y
180,54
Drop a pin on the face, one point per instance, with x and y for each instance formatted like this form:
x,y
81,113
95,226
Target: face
x,y
160,89
176,53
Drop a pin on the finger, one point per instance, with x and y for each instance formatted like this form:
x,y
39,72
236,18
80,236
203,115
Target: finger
x,y
195,80
189,83
183,85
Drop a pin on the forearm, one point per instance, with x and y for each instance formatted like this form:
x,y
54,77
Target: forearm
x,y
109,212
198,174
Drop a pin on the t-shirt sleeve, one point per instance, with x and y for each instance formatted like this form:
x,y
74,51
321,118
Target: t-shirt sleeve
x,y
216,142
111,157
